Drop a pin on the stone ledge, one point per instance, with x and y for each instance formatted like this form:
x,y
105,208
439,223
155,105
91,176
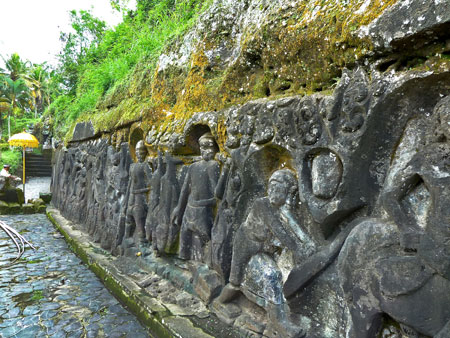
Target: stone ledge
x,y
163,320
25,209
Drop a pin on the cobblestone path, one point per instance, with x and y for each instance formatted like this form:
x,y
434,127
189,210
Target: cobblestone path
x,y
51,293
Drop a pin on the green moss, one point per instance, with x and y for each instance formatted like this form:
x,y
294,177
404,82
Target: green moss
x,y
297,51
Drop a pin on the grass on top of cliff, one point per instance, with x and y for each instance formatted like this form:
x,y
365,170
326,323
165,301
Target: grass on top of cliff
x,y
95,62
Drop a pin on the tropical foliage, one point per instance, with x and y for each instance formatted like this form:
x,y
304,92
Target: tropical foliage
x,y
96,60
26,89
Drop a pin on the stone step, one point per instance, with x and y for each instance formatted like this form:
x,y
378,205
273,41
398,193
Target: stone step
x,y
38,165
38,174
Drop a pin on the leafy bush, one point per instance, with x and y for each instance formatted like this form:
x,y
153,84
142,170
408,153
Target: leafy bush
x,y
11,157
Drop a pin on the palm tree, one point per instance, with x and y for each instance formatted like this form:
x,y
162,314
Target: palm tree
x,y
16,68
39,79
16,94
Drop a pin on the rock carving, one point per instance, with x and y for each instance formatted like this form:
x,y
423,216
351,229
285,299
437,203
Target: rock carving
x,y
194,212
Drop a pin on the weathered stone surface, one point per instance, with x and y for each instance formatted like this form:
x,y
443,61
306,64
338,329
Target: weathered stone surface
x,y
207,284
83,130
315,215
410,25
254,225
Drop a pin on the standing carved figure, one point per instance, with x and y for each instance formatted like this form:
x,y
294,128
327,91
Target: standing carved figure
x,y
165,234
153,201
140,175
228,190
195,209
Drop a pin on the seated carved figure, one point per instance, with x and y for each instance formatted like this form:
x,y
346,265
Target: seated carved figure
x,y
270,242
401,267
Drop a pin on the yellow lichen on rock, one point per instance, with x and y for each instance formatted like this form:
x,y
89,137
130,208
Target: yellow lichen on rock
x,y
299,49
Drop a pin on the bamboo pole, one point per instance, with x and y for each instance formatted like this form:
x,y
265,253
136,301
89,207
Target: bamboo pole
x,y
24,173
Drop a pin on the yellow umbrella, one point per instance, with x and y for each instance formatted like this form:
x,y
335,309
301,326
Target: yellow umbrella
x,y
24,140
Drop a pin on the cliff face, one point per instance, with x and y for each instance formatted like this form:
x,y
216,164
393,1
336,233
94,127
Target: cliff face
x,y
294,155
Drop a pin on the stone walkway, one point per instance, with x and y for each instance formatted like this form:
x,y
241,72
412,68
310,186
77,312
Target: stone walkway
x,y
51,293
35,185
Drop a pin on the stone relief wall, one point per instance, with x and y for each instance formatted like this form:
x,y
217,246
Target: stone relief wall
x,y
318,216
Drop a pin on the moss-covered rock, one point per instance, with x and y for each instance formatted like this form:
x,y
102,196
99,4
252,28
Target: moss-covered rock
x,y
241,51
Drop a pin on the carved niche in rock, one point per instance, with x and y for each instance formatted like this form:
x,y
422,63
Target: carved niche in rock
x,y
321,178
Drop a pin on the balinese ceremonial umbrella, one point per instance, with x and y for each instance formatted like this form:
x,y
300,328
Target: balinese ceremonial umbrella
x,y
23,140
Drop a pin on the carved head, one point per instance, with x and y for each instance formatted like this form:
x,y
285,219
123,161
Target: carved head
x,y
353,102
326,174
264,131
282,187
442,112
141,151
207,146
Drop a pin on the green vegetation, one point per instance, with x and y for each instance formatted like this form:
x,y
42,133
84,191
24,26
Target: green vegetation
x,y
11,157
37,295
26,90
97,63
109,76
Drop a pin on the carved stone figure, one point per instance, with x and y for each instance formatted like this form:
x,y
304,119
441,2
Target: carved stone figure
x,y
140,176
264,131
308,122
151,221
165,234
401,267
285,126
98,216
270,240
247,127
229,191
79,193
195,209
354,102
114,196
233,140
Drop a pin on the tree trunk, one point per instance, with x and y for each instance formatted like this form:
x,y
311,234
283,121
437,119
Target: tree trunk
x,y
1,126
9,126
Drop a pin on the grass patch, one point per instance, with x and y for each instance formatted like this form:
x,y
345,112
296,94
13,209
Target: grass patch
x,y
37,295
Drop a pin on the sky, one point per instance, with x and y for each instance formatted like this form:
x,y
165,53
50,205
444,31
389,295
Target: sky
x,y
31,27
